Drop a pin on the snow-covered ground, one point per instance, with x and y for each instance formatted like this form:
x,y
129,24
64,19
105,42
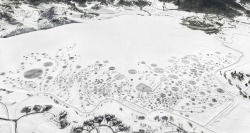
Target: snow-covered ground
x,y
154,50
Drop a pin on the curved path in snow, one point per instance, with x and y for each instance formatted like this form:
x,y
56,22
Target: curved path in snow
x,y
230,107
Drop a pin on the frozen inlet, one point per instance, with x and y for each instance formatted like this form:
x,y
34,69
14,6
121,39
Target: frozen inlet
x,y
143,88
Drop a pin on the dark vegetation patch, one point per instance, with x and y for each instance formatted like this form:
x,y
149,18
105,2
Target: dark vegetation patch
x,y
229,8
140,3
206,24
245,1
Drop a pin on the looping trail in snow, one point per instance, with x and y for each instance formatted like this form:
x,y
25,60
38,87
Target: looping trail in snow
x,y
230,107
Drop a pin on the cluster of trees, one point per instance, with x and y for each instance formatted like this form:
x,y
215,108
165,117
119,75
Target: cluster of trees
x,y
36,108
29,110
6,12
245,1
62,120
223,7
199,24
139,3
69,2
41,109
240,76
107,120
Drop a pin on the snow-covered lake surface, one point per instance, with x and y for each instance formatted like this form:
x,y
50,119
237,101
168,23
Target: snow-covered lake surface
x,y
153,50
122,40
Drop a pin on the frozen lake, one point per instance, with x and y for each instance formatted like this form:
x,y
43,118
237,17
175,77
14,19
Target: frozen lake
x,y
122,40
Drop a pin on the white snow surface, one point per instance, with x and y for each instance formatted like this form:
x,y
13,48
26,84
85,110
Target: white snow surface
x,y
124,39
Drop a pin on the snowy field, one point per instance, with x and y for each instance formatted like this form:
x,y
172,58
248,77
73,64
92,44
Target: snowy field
x,y
130,66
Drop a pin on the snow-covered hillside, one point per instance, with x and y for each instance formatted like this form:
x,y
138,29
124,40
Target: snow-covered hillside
x,y
22,16
18,18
